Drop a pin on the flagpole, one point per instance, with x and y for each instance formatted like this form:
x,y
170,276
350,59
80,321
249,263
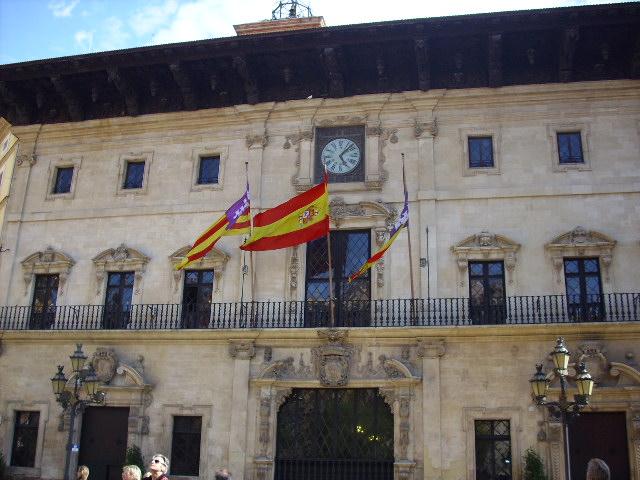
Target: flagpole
x,y
331,302
253,277
413,293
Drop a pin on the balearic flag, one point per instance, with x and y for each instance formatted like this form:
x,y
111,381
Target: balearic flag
x,y
235,221
402,222
301,219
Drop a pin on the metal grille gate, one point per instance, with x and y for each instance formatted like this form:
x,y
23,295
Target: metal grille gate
x,y
334,434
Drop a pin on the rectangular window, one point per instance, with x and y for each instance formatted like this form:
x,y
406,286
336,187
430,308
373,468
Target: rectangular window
x,y
43,306
134,176
209,170
196,298
487,293
570,147
349,251
185,446
480,152
64,175
25,437
493,449
584,290
117,309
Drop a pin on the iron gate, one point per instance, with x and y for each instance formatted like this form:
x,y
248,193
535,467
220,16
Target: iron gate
x,y
334,434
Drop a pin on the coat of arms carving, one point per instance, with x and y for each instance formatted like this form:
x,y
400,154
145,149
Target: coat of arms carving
x,y
104,362
332,362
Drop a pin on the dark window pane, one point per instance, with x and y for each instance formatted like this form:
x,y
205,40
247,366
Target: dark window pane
x,y
475,268
495,268
591,265
493,450
196,298
45,296
63,180
570,147
487,292
209,170
25,436
134,175
584,290
185,451
118,299
570,266
114,279
129,278
480,152
191,277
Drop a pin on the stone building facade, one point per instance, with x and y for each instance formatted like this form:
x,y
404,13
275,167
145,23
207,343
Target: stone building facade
x,y
442,365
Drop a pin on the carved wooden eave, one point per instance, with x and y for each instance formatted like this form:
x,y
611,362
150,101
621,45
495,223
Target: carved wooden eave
x,y
49,261
376,213
580,242
215,260
120,259
486,246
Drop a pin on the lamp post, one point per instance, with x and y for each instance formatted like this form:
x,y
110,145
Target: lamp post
x,y
564,408
83,392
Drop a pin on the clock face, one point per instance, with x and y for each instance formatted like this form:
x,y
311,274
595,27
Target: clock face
x,y
341,156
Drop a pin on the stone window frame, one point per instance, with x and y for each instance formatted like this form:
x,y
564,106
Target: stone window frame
x,y
9,419
120,259
54,165
167,412
123,161
496,138
486,246
585,136
221,151
48,262
581,243
215,260
471,414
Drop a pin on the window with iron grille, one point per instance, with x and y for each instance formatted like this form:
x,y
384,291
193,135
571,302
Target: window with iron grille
x,y
134,175
487,292
196,298
570,147
493,449
64,175
185,446
584,289
480,152
208,170
350,249
43,306
117,307
25,437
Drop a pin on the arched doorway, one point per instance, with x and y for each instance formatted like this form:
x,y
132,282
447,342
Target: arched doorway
x,y
334,434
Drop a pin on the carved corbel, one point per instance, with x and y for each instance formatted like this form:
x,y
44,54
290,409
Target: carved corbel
x,y
495,60
510,265
126,89
26,160
431,349
296,138
183,80
558,264
257,141
242,349
420,128
69,95
334,72
605,260
422,63
571,35
12,97
250,85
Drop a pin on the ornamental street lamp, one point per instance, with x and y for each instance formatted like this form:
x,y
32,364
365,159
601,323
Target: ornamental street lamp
x,y
84,392
563,408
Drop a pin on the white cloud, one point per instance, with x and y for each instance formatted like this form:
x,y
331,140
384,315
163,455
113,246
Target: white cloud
x,y
62,8
113,35
84,39
148,19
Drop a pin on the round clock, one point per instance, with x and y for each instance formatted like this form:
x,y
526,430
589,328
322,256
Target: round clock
x,y
341,156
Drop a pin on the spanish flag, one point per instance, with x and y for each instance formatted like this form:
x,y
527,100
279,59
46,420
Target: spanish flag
x,y
299,220
235,221
402,222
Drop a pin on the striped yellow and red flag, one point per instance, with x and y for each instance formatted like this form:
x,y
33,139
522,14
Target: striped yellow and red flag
x,y
235,221
301,219
402,222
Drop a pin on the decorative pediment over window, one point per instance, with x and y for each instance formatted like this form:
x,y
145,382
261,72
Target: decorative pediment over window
x,y
48,262
374,213
580,242
121,259
215,260
486,246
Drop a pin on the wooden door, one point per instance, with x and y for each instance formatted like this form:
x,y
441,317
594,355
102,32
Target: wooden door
x,y
103,444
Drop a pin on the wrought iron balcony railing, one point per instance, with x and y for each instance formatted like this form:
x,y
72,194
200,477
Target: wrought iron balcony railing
x,y
423,312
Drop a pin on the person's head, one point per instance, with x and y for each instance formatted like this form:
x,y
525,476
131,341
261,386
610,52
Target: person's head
x,y
597,469
83,472
223,474
159,464
131,472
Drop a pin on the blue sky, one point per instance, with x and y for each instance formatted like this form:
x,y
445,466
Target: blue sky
x,y
36,29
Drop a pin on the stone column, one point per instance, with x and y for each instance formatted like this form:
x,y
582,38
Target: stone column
x,y
431,350
242,351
